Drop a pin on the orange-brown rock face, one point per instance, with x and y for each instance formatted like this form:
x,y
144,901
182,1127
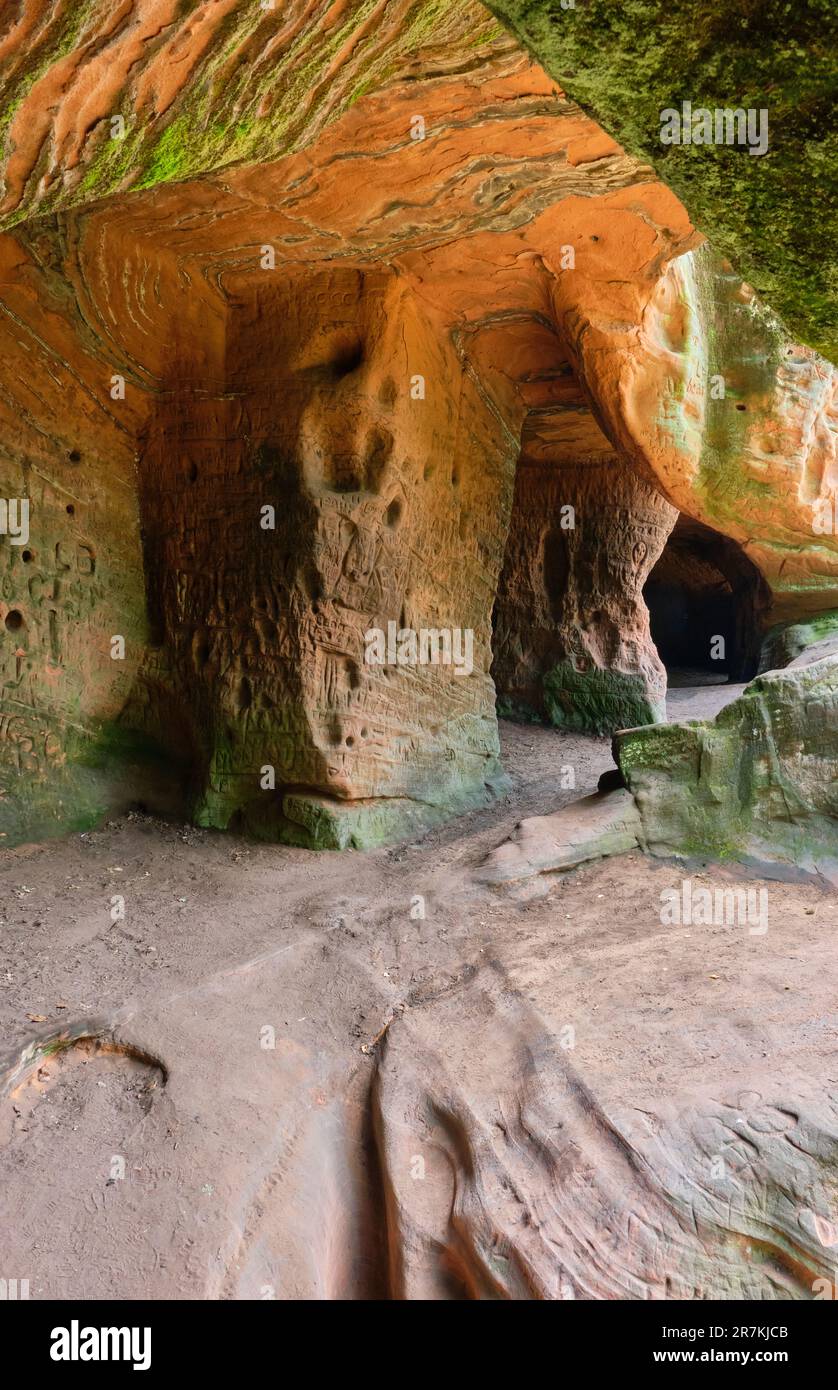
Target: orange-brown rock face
x,y
572,636
735,422
304,526
267,422
72,616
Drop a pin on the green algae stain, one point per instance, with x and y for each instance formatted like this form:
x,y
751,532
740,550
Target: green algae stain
x,y
772,215
759,780
231,113
597,701
170,159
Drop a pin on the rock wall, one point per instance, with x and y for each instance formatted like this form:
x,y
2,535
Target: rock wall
x,y
755,785
71,579
313,512
735,422
795,642
572,638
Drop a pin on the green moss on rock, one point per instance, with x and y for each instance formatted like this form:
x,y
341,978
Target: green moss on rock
x,y
102,769
598,701
760,782
787,641
235,107
772,215
322,822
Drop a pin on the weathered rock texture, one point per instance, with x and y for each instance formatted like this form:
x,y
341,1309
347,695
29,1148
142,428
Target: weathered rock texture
x,y
735,423
757,784
774,213
572,634
195,85
791,643
526,1177
556,1101
597,826
386,518
364,331
76,580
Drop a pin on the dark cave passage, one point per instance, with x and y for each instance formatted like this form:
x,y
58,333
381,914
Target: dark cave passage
x,y
707,603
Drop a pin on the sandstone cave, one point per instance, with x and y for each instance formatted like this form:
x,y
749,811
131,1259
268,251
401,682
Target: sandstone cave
x,y
418,665
702,589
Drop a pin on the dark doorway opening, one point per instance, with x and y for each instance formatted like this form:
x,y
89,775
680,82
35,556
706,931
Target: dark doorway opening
x,y
707,603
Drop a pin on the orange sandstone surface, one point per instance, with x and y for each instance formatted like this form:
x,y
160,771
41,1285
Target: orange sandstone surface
x,y
262,412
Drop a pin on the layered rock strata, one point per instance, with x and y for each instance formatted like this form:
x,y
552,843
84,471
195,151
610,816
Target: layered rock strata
x,y
572,639
264,412
757,784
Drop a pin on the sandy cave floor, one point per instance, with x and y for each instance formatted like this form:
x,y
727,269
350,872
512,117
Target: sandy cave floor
x,y
187,1158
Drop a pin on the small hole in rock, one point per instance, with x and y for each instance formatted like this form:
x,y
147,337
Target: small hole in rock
x,y
14,620
347,358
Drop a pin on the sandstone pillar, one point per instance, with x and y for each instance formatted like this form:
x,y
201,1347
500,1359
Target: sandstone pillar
x,y
343,482
572,640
